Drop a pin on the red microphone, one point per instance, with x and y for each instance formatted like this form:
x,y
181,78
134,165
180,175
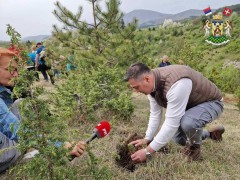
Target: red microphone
x,y
100,131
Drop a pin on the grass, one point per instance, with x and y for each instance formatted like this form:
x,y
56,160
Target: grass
x,y
220,160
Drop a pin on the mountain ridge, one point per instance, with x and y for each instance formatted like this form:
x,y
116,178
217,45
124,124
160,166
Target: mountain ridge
x,y
38,38
156,18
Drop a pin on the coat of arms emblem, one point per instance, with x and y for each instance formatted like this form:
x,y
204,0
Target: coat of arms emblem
x,y
220,30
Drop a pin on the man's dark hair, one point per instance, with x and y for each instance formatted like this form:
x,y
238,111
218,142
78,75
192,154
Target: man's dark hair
x,y
136,70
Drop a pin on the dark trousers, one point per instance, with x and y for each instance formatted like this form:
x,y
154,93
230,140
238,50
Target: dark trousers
x,y
43,68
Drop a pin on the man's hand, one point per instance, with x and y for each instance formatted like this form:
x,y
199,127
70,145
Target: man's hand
x,y
140,142
77,150
139,156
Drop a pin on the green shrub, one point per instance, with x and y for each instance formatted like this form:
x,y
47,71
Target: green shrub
x,y
99,90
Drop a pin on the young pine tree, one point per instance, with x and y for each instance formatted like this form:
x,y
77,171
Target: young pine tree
x,y
103,50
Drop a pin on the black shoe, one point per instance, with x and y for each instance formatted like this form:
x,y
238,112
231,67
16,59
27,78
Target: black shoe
x,y
216,133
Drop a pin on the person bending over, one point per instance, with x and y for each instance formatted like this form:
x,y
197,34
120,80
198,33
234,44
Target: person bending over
x,y
191,102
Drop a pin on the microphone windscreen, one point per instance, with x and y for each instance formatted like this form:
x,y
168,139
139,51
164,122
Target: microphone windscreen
x,y
103,128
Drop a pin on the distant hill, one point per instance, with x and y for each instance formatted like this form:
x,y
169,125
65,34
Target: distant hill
x,y
144,16
188,13
234,8
153,18
38,38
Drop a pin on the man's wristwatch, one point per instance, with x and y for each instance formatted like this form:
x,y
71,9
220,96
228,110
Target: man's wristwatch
x,y
148,154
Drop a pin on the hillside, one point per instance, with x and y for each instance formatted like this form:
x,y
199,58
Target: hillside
x,y
235,8
186,41
220,159
152,18
144,16
188,13
38,38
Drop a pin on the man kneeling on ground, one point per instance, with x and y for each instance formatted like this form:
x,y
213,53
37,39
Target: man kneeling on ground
x,y
191,102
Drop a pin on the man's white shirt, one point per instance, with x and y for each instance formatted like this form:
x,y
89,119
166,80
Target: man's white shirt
x,y
177,98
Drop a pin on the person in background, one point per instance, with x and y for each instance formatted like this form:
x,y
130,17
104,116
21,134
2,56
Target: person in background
x,y
55,65
165,61
40,63
40,48
70,64
191,102
46,66
31,61
10,117
32,56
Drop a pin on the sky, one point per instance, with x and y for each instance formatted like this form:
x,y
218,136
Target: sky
x,y
35,17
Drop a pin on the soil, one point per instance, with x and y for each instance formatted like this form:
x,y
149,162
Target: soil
x,y
125,151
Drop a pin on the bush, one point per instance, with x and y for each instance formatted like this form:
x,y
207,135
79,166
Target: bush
x,y
100,90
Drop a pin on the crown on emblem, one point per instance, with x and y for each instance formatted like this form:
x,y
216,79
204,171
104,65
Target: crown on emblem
x,y
217,17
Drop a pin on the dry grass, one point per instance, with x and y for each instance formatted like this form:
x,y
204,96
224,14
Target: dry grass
x,y
221,160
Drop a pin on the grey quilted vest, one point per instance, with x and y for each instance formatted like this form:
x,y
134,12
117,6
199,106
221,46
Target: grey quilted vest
x,y
203,90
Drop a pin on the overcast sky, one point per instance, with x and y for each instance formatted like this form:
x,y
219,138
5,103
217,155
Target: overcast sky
x,y
35,17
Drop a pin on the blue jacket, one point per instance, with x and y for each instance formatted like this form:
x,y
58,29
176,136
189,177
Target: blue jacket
x,y
39,50
9,123
32,56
